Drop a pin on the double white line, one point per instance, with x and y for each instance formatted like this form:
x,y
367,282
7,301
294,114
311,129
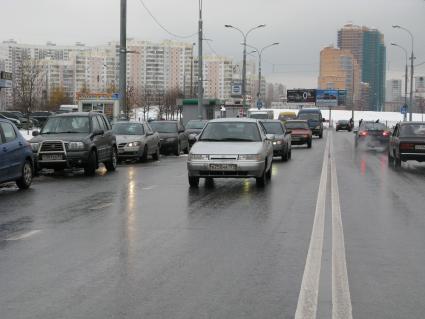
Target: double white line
x,y
341,301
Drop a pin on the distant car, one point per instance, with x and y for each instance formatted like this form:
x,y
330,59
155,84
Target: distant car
x,y
231,148
407,142
285,116
16,157
343,125
172,135
75,140
372,135
24,122
282,138
40,117
261,114
193,128
314,118
136,140
301,132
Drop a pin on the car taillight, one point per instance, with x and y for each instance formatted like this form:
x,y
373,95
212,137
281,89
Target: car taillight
x,y
363,133
407,146
386,133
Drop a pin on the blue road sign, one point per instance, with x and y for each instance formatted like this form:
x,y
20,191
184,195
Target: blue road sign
x,y
116,96
259,104
403,109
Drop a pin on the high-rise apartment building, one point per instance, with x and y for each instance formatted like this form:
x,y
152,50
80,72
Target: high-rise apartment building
x,y
339,70
218,76
393,92
368,48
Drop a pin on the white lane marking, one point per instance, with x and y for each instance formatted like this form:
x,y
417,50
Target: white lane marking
x,y
307,300
101,206
147,188
24,235
341,300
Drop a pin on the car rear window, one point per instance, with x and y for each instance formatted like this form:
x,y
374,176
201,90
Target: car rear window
x,y
296,125
309,116
195,124
412,130
374,126
164,127
273,128
128,129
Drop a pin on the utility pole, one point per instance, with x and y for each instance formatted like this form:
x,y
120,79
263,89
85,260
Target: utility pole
x,y
405,76
200,65
123,57
191,73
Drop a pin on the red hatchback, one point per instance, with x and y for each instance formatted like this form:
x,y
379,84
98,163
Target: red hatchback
x,y
301,132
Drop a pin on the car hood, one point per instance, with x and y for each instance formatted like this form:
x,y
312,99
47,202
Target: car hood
x,y
227,148
128,138
167,135
59,137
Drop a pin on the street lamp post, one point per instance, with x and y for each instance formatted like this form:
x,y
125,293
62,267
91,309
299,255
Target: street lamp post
x,y
405,75
412,58
260,54
244,35
200,64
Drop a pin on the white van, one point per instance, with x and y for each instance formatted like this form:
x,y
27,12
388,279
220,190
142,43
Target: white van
x,y
262,114
68,108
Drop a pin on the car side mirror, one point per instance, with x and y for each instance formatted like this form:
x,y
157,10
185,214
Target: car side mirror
x,y
149,133
35,133
270,137
288,132
181,131
98,132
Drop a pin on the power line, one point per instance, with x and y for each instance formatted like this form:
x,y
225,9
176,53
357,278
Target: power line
x,y
211,48
162,26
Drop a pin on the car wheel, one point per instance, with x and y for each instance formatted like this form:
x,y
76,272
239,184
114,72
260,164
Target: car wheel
x,y
261,181
193,181
144,156
390,158
178,150
321,135
285,156
91,166
24,182
290,153
111,165
155,156
186,150
397,162
269,172
309,144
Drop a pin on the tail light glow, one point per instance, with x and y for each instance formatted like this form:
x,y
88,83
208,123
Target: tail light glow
x,y
386,133
363,133
407,146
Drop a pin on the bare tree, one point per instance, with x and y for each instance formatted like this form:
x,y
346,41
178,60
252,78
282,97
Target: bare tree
x,y
28,85
170,102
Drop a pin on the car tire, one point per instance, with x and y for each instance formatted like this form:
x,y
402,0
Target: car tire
x,y
111,165
90,168
285,156
290,153
155,156
397,162
321,135
24,182
178,150
193,181
186,150
390,158
261,181
309,144
144,156
269,172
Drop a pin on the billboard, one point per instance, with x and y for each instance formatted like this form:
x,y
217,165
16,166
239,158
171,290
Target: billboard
x,y
301,96
327,97
5,79
342,97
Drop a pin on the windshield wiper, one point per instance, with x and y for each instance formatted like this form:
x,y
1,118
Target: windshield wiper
x,y
210,139
233,139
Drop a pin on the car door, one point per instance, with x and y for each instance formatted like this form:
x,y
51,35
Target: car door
x,y
10,151
3,169
148,136
267,145
154,137
108,135
395,141
99,140
183,137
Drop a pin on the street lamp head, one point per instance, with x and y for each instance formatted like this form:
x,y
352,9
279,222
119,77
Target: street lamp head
x,y
228,26
396,26
276,43
261,26
392,43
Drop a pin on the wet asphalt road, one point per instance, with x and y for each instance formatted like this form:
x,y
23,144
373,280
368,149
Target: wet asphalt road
x,y
138,243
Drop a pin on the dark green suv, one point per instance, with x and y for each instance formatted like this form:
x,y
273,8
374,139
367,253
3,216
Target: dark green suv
x,y
75,140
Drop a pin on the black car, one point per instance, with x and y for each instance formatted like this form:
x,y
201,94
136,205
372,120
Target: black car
x,y
282,138
40,117
343,125
75,140
193,129
12,119
407,142
372,135
172,135
25,123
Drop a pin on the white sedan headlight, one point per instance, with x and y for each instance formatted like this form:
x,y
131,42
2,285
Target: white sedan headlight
x,y
134,144
35,146
250,157
76,146
196,157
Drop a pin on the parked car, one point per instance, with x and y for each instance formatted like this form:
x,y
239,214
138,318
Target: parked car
x,y
75,140
282,138
301,132
16,122
372,135
136,140
172,135
25,123
193,128
262,114
407,142
343,125
16,157
40,117
231,148
314,118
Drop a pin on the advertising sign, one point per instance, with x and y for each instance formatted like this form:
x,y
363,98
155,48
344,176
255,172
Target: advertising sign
x,y
327,98
342,97
301,96
237,89
5,79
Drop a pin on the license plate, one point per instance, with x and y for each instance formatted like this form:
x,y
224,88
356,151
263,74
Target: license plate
x,y
223,167
120,150
52,157
420,147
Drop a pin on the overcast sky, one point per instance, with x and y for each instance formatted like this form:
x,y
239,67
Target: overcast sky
x,y
303,27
